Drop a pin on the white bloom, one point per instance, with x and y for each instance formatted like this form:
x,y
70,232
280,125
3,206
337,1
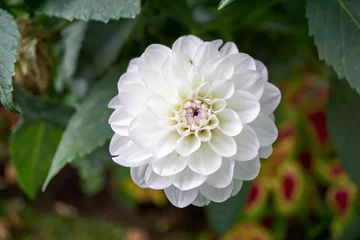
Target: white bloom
x,y
193,120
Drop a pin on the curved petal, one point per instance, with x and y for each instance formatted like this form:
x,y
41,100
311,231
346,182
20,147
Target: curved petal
x,y
217,43
216,194
262,69
265,130
205,53
249,81
143,128
169,165
132,155
187,179
116,143
156,83
245,105
265,152
228,48
164,143
237,187
270,98
180,65
138,175
218,69
222,144
229,122
247,170
196,77
114,102
200,201
155,181
242,62
222,89
186,45
180,198
158,106
224,175
183,87
158,47
120,121
204,161
133,96
151,60
186,145
247,144
129,77
133,65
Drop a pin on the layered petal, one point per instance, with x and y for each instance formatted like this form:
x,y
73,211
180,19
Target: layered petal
x,y
216,194
247,170
180,198
229,122
154,180
204,161
205,53
138,175
222,144
265,130
170,164
164,143
224,175
120,121
143,128
187,179
245,104
249,81
132,155
247,144
270,98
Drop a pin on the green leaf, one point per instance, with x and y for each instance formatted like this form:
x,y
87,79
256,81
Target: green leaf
x,y
88,128
343,118
335,25
224,3
352,232
222,215
9,41
32,149
85,10
35,108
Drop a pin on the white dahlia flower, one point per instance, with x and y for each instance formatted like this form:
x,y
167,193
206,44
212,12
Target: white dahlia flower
x,y
193,120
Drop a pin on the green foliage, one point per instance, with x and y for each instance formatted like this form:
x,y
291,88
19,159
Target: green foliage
x,y
88,128
343,118
222,216
353,231
9,40
335,25
224,3
32,149
34,108
90,9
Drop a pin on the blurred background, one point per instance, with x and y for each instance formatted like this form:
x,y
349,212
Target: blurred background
x,y
302,191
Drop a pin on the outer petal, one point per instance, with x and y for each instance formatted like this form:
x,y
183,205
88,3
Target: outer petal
x,y
204,161
270,98
132,155
262,69
186,45
186,145
265,152
247,144
116,143
222,144
164,143
237,186
222,177
244,104
249,81
154,180
133,65
218,69
229,48
158,47
133,96
138,175
205,53
151,60
222,89
217,43
169,165
216,194
180,198
265,130
120,121
156,83
158,106
242,62
187,179
180,65
143,128
114,102
200,201
247,170
229,122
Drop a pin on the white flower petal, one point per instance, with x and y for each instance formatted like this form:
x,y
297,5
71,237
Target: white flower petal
x,y
120,121
133,65
164,143
247,170
249,81
245,105
265,130
242,62
133,96
200,201
224,175
265,152
158,106
229,48
180,198
158,47
262,69
218,69
143,128
205,53
132,155
186,45
186,145
187,179
183,87
155,181
270,98
216,194
247,144
222,89
180,65
196,77
116,143
151,60
217,43
156,83
114,102
204,161
138,175
237,187
222,144
229,122
169,165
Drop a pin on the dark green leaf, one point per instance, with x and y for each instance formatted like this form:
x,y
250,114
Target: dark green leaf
x,y
32,148
88,128
352,232
224,3
222,215
335,25
36,108
9,40
85,10
343,117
